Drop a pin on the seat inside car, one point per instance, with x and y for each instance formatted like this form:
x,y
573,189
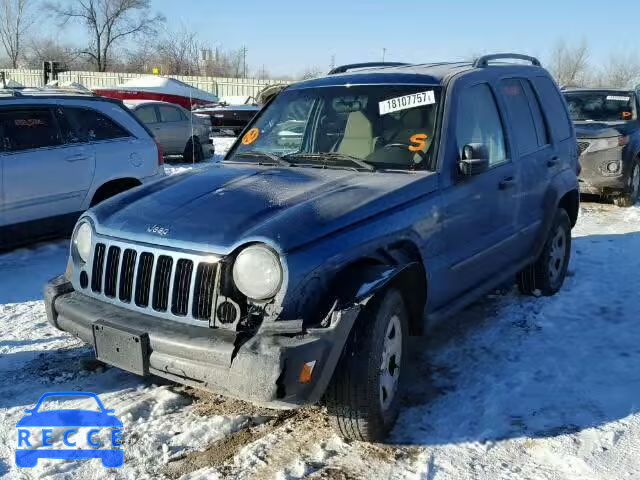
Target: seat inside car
x,y
358,137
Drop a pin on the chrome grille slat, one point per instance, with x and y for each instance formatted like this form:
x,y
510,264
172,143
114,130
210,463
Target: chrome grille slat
x,y
97,268
167,284
110,281
161,283
181,287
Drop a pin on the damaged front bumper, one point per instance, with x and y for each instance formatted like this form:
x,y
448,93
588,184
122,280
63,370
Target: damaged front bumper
x,y
264,369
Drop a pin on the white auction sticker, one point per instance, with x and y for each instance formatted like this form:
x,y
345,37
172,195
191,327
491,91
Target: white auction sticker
x,y
617,98
407,101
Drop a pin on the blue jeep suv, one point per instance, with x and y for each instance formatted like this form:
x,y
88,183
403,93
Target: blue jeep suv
x,y
354,210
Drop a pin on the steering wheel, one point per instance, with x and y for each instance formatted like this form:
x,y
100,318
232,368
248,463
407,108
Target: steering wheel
x,y
404,146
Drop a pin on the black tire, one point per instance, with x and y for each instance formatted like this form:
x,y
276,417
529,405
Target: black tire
x,y
546,275
630,197
355,395
193,152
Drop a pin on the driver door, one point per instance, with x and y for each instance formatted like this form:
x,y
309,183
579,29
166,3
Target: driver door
x,y
480,210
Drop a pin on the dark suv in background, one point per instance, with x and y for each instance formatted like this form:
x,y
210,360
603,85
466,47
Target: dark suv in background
x,y
357,209
608,131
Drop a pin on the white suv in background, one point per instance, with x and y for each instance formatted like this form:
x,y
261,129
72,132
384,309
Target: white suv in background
x,y
63,153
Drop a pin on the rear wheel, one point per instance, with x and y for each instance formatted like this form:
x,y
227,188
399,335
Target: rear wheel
x,y
363,397
546,275
193,151
630,198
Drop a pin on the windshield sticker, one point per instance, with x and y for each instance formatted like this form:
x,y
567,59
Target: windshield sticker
x,y
419,141
626,115
407,101
618,98
251,136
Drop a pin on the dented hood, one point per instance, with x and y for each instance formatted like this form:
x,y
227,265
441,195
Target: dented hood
x,y
226,206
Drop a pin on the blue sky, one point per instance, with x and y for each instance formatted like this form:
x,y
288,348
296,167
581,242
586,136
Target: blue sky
x,y
288,36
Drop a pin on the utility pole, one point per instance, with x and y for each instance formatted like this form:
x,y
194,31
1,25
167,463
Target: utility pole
x,y
384,53
244,61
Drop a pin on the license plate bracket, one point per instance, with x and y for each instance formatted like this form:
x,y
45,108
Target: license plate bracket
x,y
122,347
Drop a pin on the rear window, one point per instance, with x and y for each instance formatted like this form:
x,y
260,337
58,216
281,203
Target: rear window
x,y
146,114
26,129
92,126
170,114
520,114
601,106
554,108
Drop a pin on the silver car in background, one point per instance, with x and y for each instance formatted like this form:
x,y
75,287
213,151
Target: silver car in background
x,y
178,131
63,153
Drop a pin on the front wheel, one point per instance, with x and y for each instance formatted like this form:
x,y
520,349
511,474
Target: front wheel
x,y
546,275
630,198
363,397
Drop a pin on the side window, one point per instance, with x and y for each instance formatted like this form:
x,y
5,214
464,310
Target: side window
x,y
554,107
25,129
93,126
169,114
478,121
536,111
147,114
520,114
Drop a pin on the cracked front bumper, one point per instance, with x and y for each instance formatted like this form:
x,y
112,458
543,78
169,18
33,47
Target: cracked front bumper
x,y
263,369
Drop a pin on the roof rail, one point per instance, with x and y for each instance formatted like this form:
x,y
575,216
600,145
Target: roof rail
x,y
484,60
354,66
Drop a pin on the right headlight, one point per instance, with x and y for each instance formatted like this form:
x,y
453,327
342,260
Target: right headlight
x,y
257,272
82,239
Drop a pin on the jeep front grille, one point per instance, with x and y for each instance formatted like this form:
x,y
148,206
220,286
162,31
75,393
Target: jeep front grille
x,y
158,282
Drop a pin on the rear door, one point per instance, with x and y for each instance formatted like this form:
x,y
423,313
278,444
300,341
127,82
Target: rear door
x,y
534,152
175,128
45,174
480,218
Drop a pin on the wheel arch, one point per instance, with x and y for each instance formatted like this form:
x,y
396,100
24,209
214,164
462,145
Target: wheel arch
x,y
399,266
113,187
570,202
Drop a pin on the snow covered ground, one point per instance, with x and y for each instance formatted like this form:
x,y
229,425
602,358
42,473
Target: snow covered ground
x,y
514,387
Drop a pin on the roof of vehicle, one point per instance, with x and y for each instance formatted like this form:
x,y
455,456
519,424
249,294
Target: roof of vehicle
x,y
426,73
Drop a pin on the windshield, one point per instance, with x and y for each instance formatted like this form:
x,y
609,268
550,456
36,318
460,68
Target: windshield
x,y
362,127
604,106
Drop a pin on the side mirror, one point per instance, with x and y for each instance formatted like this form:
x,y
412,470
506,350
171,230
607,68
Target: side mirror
x,y
475,159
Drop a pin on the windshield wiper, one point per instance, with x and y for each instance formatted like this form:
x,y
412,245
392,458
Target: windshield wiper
x,y
328,156
275,159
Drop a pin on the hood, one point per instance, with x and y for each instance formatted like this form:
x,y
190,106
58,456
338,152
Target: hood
x,y
604,129
226,206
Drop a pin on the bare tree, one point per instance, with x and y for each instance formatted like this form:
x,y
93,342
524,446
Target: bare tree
x,y
44,49
621,71
178,53
570,64
15,20
108,22
311,72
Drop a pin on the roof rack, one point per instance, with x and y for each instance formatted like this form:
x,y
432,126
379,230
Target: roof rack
x,y
355,66
43,92
484,60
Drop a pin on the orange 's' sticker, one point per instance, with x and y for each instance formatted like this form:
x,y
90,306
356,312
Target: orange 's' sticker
x,y
419,141
626,115
251,136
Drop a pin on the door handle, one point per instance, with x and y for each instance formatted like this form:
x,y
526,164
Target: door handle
x,y
552,162
506,183
76,158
